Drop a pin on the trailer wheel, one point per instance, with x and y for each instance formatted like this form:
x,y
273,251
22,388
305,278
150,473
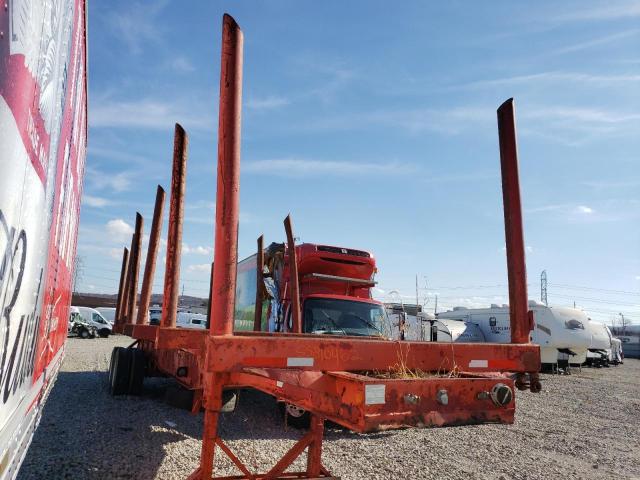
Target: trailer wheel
x,y
121,371
138,368
295,416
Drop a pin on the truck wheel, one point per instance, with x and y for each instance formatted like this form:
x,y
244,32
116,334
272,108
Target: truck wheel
x,y
295,416
121,371
84,333
104,333
138,369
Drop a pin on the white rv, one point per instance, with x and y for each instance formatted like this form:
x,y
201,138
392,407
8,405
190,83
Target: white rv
x,y
426,327
191,320
601,348
557,330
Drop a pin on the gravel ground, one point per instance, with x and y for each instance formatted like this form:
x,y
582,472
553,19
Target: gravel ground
x,y
580,426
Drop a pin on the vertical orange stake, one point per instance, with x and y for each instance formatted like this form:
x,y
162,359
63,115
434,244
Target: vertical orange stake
x,y
152,253
225,255
135,269
518,302
121,286
174,234
257,316
294,287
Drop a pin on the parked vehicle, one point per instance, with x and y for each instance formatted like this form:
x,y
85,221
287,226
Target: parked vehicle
x,y
558,330
109,313
79,326
629,335
600,349
426,327
155,314
335,291
191,320
335,296
93,317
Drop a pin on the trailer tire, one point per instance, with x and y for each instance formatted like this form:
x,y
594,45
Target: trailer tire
x,y
121,374
137,372
295,416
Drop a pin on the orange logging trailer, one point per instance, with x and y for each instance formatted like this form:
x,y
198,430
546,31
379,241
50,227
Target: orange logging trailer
x,y
352,381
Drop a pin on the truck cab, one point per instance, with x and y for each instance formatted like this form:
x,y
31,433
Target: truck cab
x,y
334,287
342,315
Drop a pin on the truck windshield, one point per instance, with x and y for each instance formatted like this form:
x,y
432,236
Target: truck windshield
x,y
343,317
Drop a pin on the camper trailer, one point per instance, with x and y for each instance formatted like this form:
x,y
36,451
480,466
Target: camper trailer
x,y
426,327
629,336
558,330
600,352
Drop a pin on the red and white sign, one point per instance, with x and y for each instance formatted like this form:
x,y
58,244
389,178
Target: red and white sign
x,y
43,132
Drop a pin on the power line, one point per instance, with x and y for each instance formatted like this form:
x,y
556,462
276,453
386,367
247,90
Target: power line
x,y
595,300
577,287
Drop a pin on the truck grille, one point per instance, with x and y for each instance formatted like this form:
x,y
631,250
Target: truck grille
x,y
343,251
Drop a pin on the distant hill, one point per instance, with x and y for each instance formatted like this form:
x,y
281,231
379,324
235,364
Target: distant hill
x,y
81,299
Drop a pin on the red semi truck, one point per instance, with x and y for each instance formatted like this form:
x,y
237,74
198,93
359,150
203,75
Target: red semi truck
x,y
334,285
334,290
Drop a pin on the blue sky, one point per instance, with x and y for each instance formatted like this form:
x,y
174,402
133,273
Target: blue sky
x,y
375,126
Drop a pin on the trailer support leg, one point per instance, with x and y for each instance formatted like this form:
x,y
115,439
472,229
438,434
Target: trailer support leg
x,y
314,454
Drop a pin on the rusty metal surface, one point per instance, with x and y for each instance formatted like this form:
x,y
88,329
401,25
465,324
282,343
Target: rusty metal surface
x,y
514,235
124,308
174,233
346,398
121,285
152,254
228,186
257,314
135,268
294,281
337,353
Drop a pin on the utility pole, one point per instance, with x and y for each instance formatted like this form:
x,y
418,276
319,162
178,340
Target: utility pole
x,y
543,288
417,302
435,308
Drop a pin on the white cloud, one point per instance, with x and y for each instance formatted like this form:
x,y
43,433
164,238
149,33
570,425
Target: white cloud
x,y
610,12
119,230
584,209
201,267
181,64
267,103
117,182
595,42
198,250
299,167
637,277
97,202
552,77
149,113
116,253
136,24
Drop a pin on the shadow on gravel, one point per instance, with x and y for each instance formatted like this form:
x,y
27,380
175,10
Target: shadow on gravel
x,y
85,433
